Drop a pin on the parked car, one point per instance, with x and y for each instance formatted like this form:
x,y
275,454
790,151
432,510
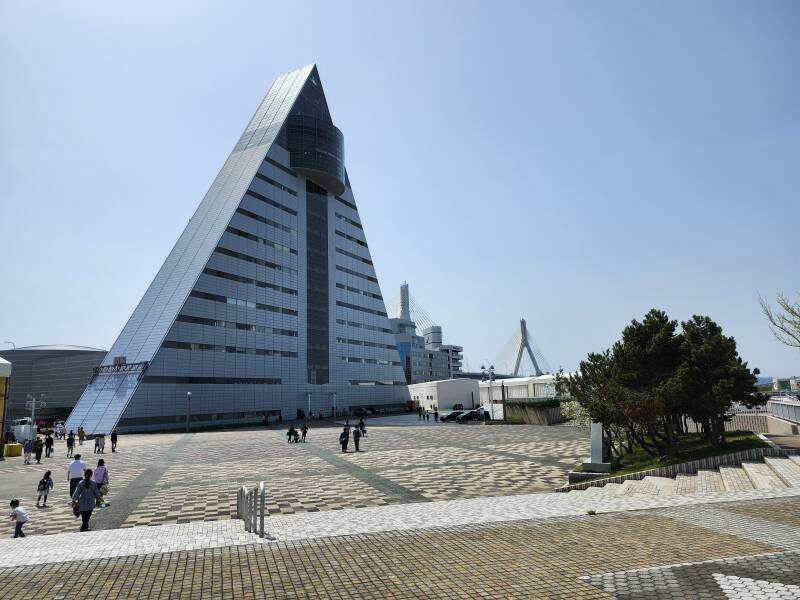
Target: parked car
x,y
470,415
451,416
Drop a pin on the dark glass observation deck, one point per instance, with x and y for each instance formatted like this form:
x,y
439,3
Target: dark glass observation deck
x,y
316,149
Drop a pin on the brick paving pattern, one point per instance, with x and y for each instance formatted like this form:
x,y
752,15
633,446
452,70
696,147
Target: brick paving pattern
x,y
179,478
651,554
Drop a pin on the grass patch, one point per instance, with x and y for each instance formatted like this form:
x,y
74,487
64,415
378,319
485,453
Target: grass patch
x,y
691,446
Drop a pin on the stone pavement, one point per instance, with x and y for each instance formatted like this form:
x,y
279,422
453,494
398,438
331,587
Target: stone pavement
x,y
743,549
179,478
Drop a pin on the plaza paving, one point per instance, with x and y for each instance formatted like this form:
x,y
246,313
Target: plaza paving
x,y
702,549
179,478
428,511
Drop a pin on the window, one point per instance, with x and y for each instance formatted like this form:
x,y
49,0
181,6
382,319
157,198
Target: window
x,y
260,240
211,380
348,220
278,165
355,256
342,286
235,325
255,282
363,326
270,201
346,203
229,349
243,303
253,259
341,340
260,219
356,274
361,308
355,240
277,184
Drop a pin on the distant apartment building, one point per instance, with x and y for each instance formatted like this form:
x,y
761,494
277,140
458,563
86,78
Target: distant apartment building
x,y
424,358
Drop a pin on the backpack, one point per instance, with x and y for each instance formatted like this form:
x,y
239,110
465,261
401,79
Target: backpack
x,y
44,485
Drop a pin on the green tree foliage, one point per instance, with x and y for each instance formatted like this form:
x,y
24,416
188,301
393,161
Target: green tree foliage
x,y
646,386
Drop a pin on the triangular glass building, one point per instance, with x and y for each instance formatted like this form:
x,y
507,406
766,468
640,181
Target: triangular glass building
x,y
268,303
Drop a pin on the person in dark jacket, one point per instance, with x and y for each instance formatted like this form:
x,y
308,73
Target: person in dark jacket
x,y
357,437
85,498
114,438
38,448
344,438
48,445
70,443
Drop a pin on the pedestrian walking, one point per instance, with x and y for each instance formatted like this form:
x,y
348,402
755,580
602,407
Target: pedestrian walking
x,y
102,444
27,450
38,448
48,445
100,477
356,437
75,472
43,489
436,415
290,433
344,438
70,443
20,516
96,444
81,435
85,498
419,413
304,431
114,438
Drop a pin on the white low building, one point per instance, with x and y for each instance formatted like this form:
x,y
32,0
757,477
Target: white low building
x,y
446,394
517,388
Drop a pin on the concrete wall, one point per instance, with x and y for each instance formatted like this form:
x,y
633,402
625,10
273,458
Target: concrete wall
x,y
534,415
444,395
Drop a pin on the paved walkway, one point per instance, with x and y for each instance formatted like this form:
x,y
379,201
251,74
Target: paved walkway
x,y
180,478
723,550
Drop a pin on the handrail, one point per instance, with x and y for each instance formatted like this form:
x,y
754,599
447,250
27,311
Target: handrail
x,y
251,508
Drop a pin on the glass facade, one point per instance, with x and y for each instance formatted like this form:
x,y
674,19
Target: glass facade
x,y
317,287
244,316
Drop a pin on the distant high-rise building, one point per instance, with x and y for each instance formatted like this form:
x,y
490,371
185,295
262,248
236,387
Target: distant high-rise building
x,y
424,358
269,302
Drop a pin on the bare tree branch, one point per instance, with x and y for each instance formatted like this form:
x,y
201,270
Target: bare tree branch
x,y
785,325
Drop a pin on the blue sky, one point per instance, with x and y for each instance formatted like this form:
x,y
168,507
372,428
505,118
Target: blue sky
x,y
575,163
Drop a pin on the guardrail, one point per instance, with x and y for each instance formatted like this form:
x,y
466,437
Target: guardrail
x,y
787,410
251,508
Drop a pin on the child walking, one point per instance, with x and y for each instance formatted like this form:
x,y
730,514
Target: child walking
x,y
20,515
43,489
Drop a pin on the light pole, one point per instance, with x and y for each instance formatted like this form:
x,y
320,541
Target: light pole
x,y
31,403
490,374
188,409
308,397
14,346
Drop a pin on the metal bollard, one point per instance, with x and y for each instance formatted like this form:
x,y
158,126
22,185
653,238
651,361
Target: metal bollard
x,y
262,495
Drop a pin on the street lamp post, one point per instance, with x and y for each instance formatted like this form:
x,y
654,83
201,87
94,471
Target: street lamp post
x,y
188,409
31,403
308,398
490,373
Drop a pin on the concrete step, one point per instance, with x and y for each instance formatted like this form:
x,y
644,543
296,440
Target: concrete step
x,y
735,479
785,469
611,489
666,485
685,484
709,481
626,487
795,458
643,487
762,476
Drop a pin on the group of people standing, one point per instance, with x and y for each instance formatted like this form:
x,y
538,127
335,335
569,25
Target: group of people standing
x,y
359,431
425,415
37,447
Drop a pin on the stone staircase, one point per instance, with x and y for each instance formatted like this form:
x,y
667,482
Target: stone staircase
x,y
770,473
